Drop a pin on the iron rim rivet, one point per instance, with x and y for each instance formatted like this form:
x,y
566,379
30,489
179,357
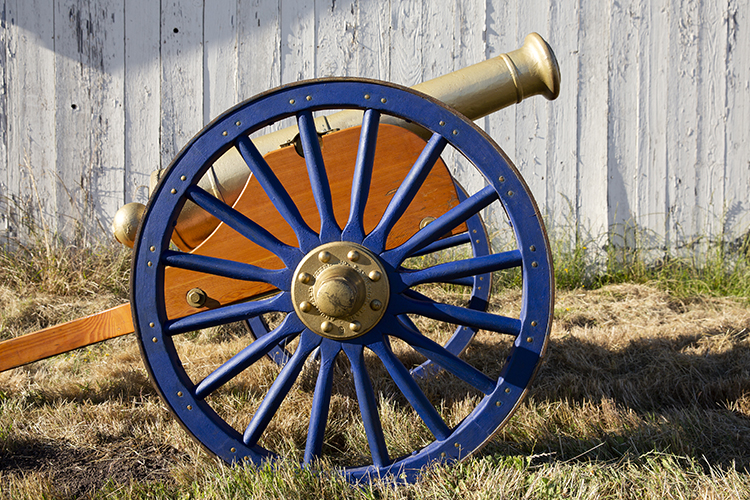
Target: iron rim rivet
x,y
189,407
510,193
324,256
533,323
455,132
501,178
442,123
367,96
309,98
224,133
233,449
507,390
442,454
375,305
173,191
534,264
457,445
151,324
154,340
305,278
532,248
529,340
326,326
153,249
355,326
384,100
353,255
498,403
374,275
183,178
238,123
179,394
149,263
291,101
305,306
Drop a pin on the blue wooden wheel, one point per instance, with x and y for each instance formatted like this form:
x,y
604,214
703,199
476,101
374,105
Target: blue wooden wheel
x,y
479,296
342,291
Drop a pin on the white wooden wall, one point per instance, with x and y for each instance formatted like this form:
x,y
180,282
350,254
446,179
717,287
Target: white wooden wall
x,y
651,129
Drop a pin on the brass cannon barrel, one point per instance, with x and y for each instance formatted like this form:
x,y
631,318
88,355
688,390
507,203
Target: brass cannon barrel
x,y
474,91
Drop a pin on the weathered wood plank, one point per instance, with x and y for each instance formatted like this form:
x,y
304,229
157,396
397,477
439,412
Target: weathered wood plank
x,y
532,115
683,109
220,58
737,168
32,182
182,75
624,89
711,124
142,97
373,39
562,147
5,35
259,46
297,40
649,196
336,32
406,46
593,121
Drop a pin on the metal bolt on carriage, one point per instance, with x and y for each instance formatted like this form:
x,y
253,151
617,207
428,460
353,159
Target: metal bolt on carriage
x,y
317,223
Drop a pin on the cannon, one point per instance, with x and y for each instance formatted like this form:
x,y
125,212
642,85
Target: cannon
x,y
321,224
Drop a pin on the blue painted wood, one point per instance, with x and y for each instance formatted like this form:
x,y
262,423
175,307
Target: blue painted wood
x,y
280,278
321,401
444,273
442,225
411,390
406,192
354,229
368,406
279,196
329,228
280,388
228,314
288,329
503,185
244,225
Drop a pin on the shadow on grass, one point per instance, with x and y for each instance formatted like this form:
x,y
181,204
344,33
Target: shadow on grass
x,y
677,395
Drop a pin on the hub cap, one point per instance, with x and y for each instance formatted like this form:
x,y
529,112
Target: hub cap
x,y
340,290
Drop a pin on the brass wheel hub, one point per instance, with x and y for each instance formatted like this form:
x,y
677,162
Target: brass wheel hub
x,y
340,290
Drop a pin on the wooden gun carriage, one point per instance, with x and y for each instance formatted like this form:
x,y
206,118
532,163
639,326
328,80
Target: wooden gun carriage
x,y
319,222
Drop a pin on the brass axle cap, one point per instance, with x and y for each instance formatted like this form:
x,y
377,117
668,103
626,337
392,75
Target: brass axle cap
x,y
340,290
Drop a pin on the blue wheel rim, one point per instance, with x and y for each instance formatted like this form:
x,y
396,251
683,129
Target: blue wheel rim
x,y
504,184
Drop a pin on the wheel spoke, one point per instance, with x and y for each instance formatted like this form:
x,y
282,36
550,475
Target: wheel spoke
x,y
443,243
411,391
404,329
354,229
329,229
288,328
367,405
227,268
406,192
321,400
277,193
463,268
440,226
411,302
280,388
246,227
229,314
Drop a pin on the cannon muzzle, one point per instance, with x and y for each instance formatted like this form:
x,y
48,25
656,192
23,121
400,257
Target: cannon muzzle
x,y
474,91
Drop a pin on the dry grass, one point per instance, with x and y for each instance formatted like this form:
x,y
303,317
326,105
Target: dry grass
x,y
642,396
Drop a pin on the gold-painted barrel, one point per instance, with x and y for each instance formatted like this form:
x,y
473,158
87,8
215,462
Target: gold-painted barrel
x,y
474,91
